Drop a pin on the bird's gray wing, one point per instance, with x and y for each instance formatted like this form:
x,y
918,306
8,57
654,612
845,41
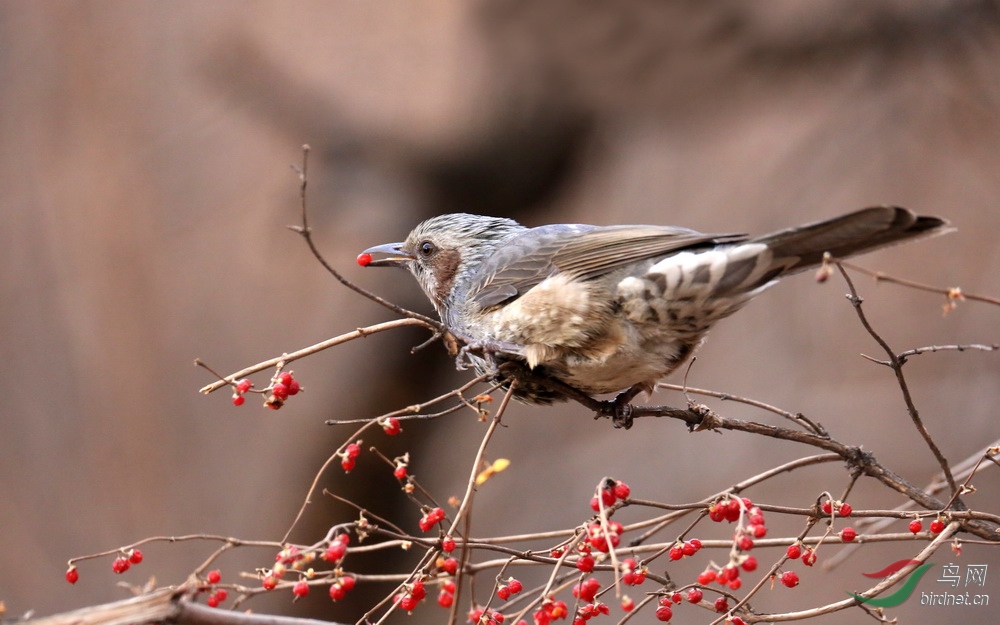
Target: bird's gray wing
x,y
584,251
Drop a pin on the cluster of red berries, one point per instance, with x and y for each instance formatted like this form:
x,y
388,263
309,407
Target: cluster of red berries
x,y
431,518
449,565
586,590
599,537
509,588
612,491
349,457
282,387
340,588
589,611
411,596
797,550
664,610
686,548
551,610
337,548
477,616
218,595
293,558
632,573
937,526
122,563
842,507
447,595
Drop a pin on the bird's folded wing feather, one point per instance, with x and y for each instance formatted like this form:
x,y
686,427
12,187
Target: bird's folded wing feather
x,y
584,251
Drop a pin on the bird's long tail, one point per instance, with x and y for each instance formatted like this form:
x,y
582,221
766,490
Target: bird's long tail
x,y
799,248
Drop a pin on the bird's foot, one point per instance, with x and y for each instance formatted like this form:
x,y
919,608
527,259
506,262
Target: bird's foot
x,y
620,408
486,348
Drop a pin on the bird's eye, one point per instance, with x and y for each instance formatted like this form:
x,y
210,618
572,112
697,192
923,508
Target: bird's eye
x,y
427,249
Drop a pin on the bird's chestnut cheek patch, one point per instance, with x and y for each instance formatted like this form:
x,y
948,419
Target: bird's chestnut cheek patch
x,y
444,267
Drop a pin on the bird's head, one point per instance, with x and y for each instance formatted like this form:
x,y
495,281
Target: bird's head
x,y
444,252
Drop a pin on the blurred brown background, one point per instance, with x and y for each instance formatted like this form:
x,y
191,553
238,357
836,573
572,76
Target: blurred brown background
x,y
145,186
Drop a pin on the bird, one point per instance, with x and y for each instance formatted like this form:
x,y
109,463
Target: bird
x,y
595,310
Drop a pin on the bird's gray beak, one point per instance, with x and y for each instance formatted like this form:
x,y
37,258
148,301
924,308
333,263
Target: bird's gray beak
x,y
397,257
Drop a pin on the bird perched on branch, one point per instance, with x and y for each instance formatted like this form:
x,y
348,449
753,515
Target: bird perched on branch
x,y
597,310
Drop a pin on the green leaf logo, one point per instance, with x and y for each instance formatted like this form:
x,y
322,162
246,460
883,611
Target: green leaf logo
x,y
900,595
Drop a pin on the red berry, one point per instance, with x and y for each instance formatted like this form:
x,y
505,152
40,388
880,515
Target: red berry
x,y
848,534
688,549
717,512
759,531
353,450
72,575
335,551
238,400
280,391
937,526
120,565
664,613
135,557
400,472
285,378
214,577
721,605
270,582
446,599
448,565
408,602
607,497
503,593
827,507
595,504
222,594
735,584
695,595
391,426
627,604
809,557
448,544
622,490
244,385
212,601
794,551
294,387
916,525
845,509
745,543
694,542
301,589
706,577
750,564
515,586
347,464
790,579
337,592
418,590
364,259
676,552
347,582
585,563
733,510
